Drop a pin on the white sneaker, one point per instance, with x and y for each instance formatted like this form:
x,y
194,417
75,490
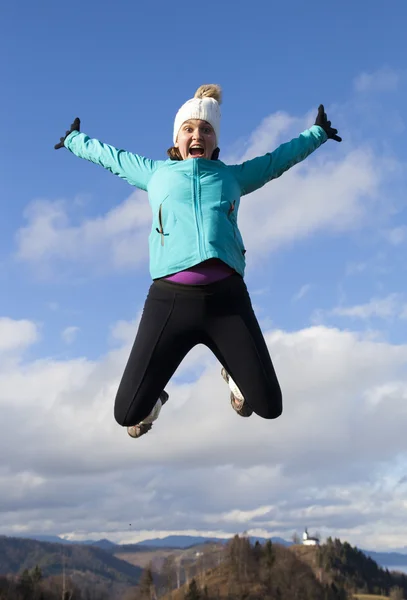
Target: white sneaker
x,y
135,431
236,397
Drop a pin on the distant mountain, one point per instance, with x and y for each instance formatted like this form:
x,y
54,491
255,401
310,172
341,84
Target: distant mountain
x,y
185,541
177,541
103,544
55,539
387,559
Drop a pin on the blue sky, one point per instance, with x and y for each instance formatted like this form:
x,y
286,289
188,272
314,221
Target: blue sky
x,y
326,247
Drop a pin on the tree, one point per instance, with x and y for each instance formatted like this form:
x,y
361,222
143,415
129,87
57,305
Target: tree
x,y
269,557
257,554
232,553
169,574
25,585
36,574
146,586
296,538
193,592
396,593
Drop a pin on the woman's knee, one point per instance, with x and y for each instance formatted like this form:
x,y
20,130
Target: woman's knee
x,y
130,410
271,407
125,410
270,412
121,416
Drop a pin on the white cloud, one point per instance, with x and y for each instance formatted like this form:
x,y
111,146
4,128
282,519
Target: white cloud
x,y
382,308
268,135
303,291
332,196
397,235
116,240
335,190
124,332
348,392
382,80
17,335
69,334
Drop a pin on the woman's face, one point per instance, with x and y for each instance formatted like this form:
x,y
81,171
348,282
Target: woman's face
x,y
196,139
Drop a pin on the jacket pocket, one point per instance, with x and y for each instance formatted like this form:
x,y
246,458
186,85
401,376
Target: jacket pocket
x,y
165,220
163,217
232,215
160,228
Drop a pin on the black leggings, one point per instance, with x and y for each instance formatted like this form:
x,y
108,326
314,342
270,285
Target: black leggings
x,y
176,318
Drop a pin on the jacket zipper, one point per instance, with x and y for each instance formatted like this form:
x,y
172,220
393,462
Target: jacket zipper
x,y
197,208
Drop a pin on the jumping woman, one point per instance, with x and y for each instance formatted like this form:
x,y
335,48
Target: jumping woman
x,y
197,259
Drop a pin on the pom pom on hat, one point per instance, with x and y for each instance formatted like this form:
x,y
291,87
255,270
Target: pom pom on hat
x,y
210,90
205,105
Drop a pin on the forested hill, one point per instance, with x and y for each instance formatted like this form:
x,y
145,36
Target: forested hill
x,y
333,571
256,572
86,566
355,570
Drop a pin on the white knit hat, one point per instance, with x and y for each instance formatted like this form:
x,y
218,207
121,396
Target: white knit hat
x,y
205,105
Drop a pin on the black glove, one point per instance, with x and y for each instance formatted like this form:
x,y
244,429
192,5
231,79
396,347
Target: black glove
x,y
322,121
74,127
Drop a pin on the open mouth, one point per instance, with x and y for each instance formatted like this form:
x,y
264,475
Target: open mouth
x,y
196,151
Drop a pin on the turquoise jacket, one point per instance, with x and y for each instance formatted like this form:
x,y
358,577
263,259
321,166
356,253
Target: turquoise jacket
x,y
195,202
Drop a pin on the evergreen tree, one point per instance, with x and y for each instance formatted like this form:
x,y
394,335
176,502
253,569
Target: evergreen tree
x,y
267,563
257,554
25,586
193,592
36,574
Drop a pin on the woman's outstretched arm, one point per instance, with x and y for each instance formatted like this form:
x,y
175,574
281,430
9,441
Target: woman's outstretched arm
x,y
134,169
254,174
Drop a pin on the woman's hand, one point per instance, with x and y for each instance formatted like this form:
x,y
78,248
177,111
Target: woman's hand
x,y
322,121
74,127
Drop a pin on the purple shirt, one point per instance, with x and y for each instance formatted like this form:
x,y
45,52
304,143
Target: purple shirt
x,y
202,274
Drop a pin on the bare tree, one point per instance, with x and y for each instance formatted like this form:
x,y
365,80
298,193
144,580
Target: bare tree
x,y
396,593
146,587
187,570
169,574
296,538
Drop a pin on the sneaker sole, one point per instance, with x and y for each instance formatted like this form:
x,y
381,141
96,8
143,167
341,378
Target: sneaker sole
x,y
142,428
